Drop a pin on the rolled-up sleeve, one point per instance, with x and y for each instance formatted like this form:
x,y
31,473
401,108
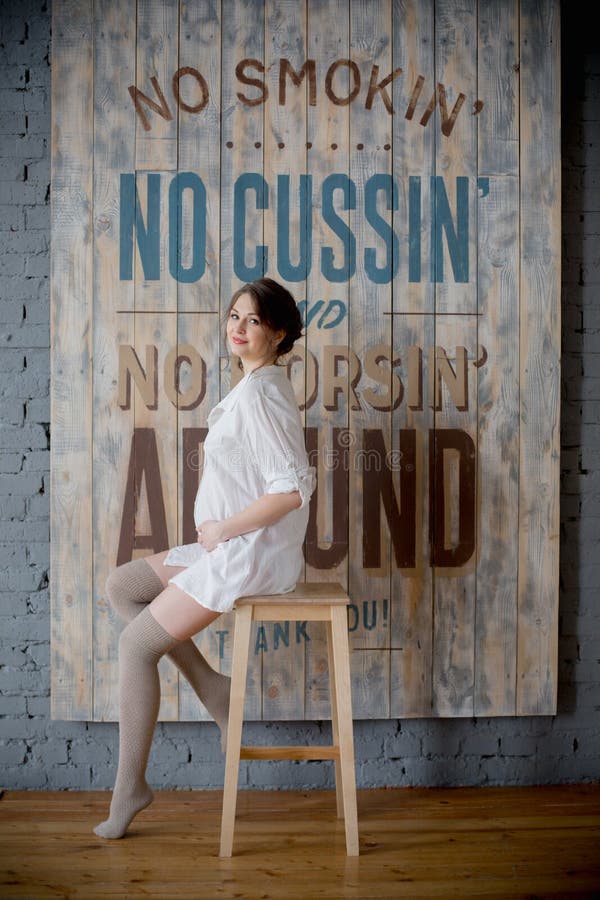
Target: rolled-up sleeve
x,y
275,440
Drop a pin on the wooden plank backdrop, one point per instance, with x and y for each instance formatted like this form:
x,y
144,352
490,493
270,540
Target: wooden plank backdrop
x,y
395,163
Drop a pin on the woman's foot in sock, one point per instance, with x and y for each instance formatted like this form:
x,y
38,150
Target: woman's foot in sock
x,y
122,811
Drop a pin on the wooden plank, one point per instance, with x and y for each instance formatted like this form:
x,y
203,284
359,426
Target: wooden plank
x,y
157,57
498,446
284,752
72,531
498,389
114,146
455,327
242,136
411,600
234,727
198,298
301,612
283,835
537,653
326,311
338,636
156,300
284,154
369,581
498,289
498,83
306,592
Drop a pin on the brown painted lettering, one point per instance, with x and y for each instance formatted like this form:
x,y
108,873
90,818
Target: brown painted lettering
x,y
446,551
310,378
428,111
448,120
146,381
380,88
379,490
335,383
482,356
332,555
385,376
285,68
192,441
143,467
414,393
414,97
194,394
162,108
240,74
188,70
352,67
456,382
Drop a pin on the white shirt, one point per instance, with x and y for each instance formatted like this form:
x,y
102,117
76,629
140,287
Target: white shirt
x,y
254,446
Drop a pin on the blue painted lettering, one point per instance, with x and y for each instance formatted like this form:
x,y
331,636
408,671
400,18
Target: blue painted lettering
x,y
457,239
286,268
147,234
339,227
414,228
386,185
448,226
255,182
181,182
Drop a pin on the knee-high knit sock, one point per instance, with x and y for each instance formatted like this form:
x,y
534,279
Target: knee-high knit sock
x,y
141,645
136,583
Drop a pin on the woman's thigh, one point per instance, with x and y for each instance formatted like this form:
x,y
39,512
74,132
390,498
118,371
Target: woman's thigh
x,y
180,614
157,562
176,611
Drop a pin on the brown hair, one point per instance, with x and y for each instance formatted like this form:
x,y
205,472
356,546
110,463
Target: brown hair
x,y
277,309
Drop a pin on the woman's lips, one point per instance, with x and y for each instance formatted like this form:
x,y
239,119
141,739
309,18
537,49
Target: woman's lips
x,y
236,340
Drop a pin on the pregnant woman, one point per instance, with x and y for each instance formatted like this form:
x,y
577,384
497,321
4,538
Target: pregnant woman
x,y
251,513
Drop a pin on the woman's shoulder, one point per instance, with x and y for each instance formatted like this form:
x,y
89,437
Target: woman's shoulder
x,y
270,383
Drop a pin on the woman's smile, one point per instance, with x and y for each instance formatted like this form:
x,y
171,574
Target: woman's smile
x,y
249,338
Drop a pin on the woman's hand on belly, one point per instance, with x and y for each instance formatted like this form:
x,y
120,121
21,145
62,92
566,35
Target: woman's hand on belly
x,y
260,513
210,534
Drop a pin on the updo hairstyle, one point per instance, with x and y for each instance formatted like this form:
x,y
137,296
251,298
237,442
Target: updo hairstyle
x,y
277,309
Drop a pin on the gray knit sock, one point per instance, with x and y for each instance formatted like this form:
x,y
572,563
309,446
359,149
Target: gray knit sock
x,y
134,584
141,645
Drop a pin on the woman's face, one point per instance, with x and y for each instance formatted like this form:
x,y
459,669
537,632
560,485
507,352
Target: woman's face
x,y
254,342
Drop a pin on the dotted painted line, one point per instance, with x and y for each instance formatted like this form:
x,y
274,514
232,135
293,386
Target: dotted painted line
x,y
309,146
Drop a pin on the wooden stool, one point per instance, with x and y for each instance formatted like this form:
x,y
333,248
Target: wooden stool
x,y
308,602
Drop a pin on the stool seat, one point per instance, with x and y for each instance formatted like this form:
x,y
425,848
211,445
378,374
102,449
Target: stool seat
x,y
310,601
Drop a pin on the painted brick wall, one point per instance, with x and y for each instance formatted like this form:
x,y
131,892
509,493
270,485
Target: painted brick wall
x,y
36,752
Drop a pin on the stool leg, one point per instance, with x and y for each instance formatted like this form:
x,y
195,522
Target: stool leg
x,y
341,661
239,669
335,731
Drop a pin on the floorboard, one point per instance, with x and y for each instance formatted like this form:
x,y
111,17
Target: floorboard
x,y
461,842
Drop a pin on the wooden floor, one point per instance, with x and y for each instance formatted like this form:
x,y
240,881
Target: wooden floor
x,y
464,842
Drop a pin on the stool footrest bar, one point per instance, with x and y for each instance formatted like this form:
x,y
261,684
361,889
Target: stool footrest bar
x,y
320,752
